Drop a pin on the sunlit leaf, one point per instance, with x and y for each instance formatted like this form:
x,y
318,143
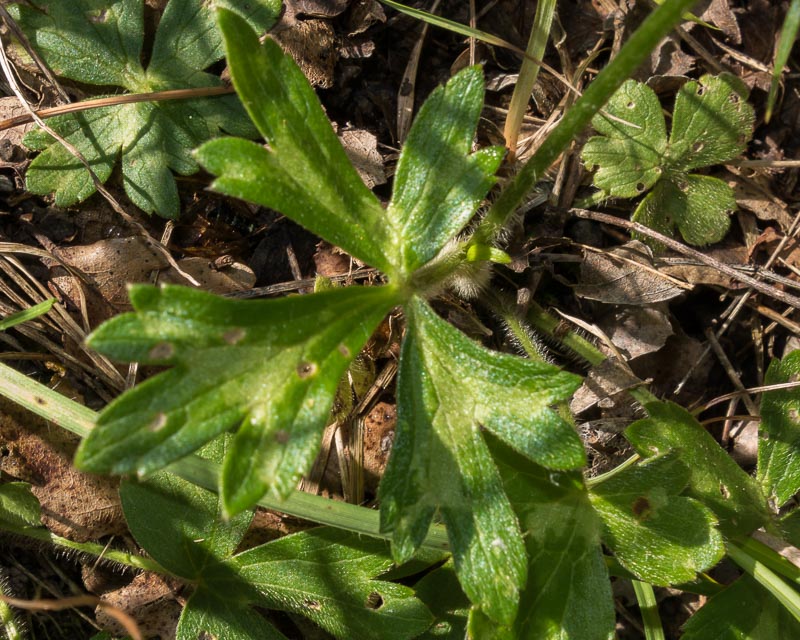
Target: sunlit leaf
x,y
269,368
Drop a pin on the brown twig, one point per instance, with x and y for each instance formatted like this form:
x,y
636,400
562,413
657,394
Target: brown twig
x,y
110,101
641,229
124,619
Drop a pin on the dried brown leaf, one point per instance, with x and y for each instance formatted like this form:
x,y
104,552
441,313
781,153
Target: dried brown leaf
x,y
75,505
624,275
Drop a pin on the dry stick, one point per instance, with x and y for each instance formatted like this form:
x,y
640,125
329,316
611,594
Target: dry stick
x,y
111,101
761,287
741,302
124,619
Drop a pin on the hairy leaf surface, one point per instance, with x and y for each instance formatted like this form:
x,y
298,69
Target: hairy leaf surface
x,y
449,386
657,534
743,611
568,593
328,576
711,124
715,479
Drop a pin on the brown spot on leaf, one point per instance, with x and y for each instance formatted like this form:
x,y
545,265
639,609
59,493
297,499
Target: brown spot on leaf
x,y
232,336
307,369
161,351
641,508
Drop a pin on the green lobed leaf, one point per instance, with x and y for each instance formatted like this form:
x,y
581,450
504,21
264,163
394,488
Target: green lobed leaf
x,y
629,153
269,368
568,593
19,508
711,123
449,387
715,479
657,534
700,206
331,577
743,611
304,173
779,431
101,43
180,524
326,575
442,594
438,185
214,615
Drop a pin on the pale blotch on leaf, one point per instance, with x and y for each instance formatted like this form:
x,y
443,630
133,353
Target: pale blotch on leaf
x,y
344,350
161,351
282,436
158,422
232,336
307,370
312,604
724,491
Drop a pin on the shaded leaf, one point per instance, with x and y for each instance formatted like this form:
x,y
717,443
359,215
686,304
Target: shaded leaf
x,y
442,594
660,536
779,431
100,43
19,508
330,576
743,611
211,615
178,523
449,386
268,367
700,206
568,593
716,480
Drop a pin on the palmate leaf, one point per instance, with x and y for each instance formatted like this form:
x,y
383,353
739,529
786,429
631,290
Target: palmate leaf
x,y
660,536
100,43
779,430
715,479
269,368
448,387
305,174
711,124
328,576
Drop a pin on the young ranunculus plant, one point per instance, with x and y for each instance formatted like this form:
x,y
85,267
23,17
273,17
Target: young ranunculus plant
x,y
479,446
269,370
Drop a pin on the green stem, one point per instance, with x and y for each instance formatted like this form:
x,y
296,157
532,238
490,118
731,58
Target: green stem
x,y
767,578
575,120
771,559
78,419
649,608
92,548
542,321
